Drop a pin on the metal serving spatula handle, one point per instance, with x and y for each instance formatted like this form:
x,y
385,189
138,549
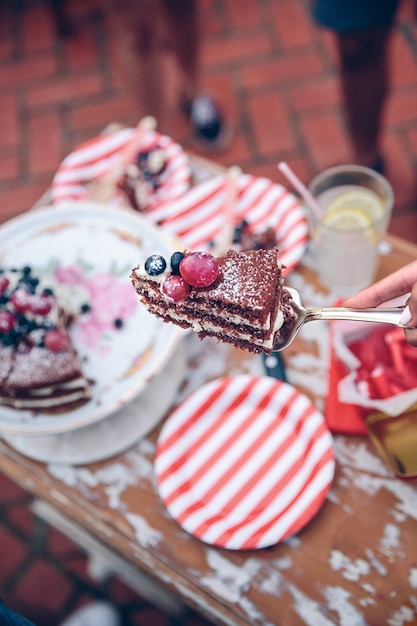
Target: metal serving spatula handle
x,y
286,335
383,315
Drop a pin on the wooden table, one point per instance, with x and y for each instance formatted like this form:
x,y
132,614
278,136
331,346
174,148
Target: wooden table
x,y
355,563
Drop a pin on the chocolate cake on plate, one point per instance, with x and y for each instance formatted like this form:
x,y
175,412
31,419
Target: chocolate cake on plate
x,y
39,368
238,298
142,177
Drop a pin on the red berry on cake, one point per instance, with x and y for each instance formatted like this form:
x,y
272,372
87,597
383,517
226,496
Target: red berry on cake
x,y
21,300
199,269
41,305
55,340
7,321
4,283
42,371
175,288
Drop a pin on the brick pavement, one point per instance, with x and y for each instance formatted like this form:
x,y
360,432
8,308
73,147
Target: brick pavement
x,y
275,74
44,575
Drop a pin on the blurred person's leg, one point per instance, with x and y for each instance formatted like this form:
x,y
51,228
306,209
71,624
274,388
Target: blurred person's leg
x,y
362,29
141,32
365,85
184,36
206,118
62,20
145,29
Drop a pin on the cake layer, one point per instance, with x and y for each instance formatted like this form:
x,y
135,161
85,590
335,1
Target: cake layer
x,y
241,306
208,312
39,368
54,398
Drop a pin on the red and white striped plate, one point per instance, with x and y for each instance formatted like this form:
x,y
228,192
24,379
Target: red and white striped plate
x,y
97,157
244,462
197,217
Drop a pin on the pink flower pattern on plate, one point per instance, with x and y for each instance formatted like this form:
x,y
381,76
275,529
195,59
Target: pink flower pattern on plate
x,y
109,299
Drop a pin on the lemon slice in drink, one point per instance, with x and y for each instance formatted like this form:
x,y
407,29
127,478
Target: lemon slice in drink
x,y
347,219
359,200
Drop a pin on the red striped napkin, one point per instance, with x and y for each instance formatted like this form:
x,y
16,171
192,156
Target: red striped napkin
x,y
244,462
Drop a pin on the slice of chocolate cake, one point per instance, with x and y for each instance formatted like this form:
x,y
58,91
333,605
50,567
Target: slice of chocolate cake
x,y
237,298
39,369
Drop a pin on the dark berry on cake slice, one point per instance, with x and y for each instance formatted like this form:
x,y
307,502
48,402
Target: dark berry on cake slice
x,y
39,368
236,298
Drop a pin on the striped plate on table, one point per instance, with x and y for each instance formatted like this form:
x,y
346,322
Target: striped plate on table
x,y
244,462
197,217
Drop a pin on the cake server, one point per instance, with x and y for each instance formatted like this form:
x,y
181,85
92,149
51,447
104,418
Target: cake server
x,y
287,333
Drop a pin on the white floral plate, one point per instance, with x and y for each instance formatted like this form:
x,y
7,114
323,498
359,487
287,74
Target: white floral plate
x,y
94,248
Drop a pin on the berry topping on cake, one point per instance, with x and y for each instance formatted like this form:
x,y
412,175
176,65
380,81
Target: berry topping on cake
x,y
55,340
21,300
7,321
39,368
199,269
41,305
176,259
4,283
155,265
175,288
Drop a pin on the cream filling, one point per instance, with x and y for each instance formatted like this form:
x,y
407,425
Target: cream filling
x,y
218,329
232,318
64,386
35,403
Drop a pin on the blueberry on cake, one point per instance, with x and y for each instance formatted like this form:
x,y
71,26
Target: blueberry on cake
x,y
238,298
39,369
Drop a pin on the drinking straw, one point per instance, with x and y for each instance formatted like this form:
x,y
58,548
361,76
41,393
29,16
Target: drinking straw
x,y
301,188
228,228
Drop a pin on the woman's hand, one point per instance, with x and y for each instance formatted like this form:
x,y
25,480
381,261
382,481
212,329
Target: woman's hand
x,y
399,283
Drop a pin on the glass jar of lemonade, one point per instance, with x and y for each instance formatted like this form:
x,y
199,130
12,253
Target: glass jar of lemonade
x,y
356,205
